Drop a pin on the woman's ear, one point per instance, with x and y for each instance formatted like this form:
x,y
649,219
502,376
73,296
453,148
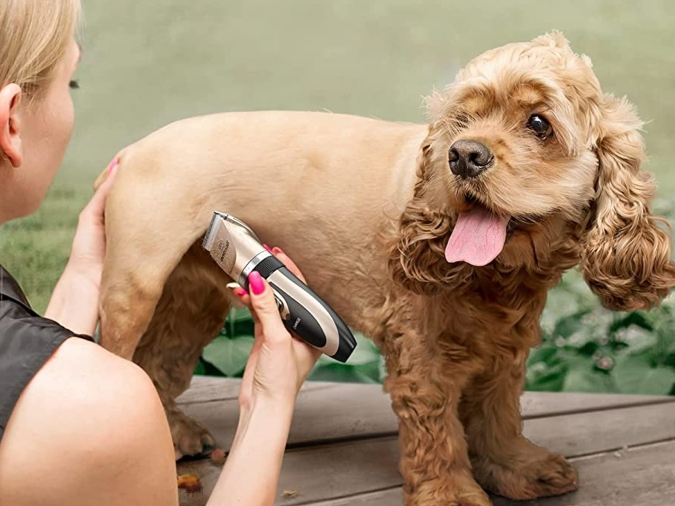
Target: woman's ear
x,y
626,253
10,124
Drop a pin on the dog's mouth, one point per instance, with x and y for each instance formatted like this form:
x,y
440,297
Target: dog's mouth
x,y
480,233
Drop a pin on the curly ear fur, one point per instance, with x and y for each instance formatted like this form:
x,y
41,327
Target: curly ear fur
x,y
626,256
416,252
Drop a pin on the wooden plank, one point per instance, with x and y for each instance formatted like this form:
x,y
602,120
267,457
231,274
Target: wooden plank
x,y
339,411
389,497
357,467
546,404
324,412
642,476
315,474
586,433
210,389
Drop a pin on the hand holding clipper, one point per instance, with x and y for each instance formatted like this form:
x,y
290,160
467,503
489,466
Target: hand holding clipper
x,y
238,252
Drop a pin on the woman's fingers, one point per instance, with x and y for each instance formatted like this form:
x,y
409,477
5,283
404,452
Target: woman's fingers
x,y
94,209
288,263
265,308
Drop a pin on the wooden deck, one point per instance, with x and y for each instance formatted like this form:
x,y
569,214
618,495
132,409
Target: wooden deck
x,y
343,448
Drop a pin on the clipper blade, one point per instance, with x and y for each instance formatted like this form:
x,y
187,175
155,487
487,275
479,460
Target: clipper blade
x,y
218,243
217,222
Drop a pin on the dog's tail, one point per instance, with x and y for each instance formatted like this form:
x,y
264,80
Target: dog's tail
x,y
103,175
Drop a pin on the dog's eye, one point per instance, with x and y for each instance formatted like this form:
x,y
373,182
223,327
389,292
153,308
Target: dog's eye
x,y
539,126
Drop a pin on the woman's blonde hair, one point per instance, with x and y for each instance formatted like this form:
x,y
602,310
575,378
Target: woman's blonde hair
x,y
34,37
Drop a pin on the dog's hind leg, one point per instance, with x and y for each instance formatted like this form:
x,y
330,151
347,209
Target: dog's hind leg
x,y
150,226
504,461
190,313
141,253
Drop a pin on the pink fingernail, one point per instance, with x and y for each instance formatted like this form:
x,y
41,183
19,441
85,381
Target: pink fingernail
x,y
256,283
113,165
268,248
240,292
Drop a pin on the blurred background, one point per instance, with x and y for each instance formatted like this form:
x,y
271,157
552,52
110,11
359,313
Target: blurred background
x,y
148,63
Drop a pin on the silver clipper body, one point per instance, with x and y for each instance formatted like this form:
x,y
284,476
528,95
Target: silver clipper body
x,y
238,252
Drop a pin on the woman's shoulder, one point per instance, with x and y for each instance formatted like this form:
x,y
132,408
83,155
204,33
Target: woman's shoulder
x,y
21,327
10,289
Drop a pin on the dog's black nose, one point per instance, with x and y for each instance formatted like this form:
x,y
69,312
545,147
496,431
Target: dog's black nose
x,y
469,158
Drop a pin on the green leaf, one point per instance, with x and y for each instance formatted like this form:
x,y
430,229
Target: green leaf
x,y
564,304
364,366
229,355
582,378
543,354
240,314
635,375
631,319
542,377
667,340
342,373
199,369
636,339
365,352
570,324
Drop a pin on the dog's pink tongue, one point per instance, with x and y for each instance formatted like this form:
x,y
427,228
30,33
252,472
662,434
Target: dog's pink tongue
x,y
478,237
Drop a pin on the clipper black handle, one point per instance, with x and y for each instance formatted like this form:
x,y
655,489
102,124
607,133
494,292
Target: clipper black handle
x,y
305,313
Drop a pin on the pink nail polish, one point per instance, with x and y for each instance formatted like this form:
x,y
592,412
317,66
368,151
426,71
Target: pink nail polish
x,y
256,283
240,292
268,248
113,165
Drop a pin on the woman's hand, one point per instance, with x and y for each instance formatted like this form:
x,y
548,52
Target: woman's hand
x,y
88,250
279,363
276,368
74,302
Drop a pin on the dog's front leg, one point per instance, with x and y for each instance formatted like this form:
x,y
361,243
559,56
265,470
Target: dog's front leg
x,y
425,389
504,461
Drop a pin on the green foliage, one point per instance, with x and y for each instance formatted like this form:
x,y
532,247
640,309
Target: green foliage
x,y
227,354
366,365
587,348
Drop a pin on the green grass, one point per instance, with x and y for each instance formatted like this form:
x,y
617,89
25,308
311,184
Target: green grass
x,y
35,249
149,63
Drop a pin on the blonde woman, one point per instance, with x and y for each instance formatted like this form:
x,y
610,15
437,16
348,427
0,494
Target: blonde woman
x,y
79,426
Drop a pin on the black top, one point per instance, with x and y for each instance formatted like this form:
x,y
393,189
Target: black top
x,y
26,342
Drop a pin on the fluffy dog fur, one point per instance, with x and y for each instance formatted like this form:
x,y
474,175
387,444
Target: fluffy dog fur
x,y
365,208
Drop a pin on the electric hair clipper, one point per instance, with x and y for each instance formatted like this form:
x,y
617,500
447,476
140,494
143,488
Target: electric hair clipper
x,y
238,252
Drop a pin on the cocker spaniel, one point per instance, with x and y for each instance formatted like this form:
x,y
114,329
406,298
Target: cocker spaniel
x,y
439,241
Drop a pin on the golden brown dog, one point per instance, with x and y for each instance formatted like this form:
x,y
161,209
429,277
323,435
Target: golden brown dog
x,y
439,241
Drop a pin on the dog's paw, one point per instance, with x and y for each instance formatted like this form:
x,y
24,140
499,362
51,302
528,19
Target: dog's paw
x,y
471,499
528,478
448,492
190,438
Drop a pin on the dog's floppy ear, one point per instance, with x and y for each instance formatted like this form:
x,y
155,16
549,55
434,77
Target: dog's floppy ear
x,y
416,252
626,255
